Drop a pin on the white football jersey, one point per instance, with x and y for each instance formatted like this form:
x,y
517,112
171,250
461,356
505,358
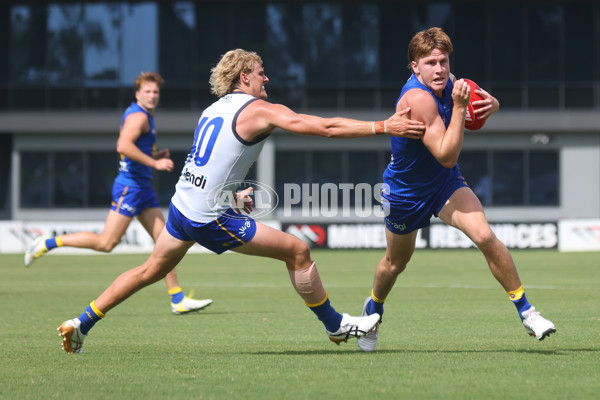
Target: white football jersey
x,y
218,160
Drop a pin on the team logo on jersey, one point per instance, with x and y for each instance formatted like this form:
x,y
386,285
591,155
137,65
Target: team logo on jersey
x,y
198,181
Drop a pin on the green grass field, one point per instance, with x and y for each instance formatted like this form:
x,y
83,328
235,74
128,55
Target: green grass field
x,y
449,331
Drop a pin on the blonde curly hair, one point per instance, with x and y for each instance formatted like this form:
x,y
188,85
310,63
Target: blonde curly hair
x,y
225,76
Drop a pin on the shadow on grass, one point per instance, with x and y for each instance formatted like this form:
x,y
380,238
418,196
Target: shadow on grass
x,y
410,351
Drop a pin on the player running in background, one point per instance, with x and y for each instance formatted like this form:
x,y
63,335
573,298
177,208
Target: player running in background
x,y
227,141
423,179
132,192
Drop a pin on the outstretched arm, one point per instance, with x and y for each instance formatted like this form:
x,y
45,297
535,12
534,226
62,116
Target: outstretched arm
x,y
261,117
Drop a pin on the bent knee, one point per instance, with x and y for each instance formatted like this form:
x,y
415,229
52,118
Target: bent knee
x,y
302,254
484,238
106,246
394,267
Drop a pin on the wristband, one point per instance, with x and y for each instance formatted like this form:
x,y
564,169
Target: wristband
x,y
379,127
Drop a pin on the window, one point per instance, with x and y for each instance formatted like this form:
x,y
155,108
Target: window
x,y
512,177
35,180
67,178
307,167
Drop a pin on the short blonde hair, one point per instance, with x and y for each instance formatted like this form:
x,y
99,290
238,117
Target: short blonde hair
x,y
148,77
225,76
425,41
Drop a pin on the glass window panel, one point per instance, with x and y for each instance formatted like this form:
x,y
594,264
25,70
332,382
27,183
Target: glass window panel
x,y
469,57
103,168
545,26
102,29
139,40
543,97
28,44
102,98
359,98
65,44
164,182
248,27
177,55
543,178
65,97
35,179
290,168
579,39
322,28
69,175
327,167
283,59
507,43
474,167
363,167
4,96
210,17
579,97
396,30
426,15
322,97
29,98
507,179
509,96
176,97
6,144
361,43
5,29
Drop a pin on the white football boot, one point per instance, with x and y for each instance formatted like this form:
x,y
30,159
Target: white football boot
x,y
369,341
36,249
537,326
188,305
353,327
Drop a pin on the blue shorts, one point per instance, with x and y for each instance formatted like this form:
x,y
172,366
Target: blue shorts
x,y
224,233
407,214
132,200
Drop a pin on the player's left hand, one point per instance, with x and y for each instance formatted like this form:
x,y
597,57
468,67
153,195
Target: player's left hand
x,y
164,153
488,106
243,201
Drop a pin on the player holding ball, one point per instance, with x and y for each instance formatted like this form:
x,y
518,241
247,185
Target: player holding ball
x,y
423,179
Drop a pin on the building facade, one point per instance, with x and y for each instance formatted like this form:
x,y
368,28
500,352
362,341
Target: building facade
x,y
67,72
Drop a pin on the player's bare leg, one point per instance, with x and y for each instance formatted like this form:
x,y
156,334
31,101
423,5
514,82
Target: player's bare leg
x,y
153,221
114,228
167,253
399,251
464,211
272,243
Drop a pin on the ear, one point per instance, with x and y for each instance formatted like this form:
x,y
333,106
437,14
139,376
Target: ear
x,y
415,67
244,78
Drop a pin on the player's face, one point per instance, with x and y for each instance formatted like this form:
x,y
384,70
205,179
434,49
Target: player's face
x,y
433,71
257,82
148,95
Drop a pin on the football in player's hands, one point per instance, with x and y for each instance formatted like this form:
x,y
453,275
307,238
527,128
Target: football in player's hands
x,y
473,122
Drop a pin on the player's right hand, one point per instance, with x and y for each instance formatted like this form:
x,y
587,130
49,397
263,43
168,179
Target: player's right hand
x,y
461,94
164,164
